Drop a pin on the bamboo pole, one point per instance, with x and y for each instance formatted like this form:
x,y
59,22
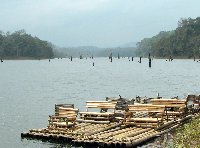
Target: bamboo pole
x,y
128,131
107,133
137,133
185,119
165,125
136,137
105,129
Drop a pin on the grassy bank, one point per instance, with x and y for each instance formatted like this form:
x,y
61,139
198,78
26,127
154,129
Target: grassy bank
x,y
189,135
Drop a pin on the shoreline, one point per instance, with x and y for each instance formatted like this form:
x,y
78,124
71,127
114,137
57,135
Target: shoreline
x,y
43,58
24,58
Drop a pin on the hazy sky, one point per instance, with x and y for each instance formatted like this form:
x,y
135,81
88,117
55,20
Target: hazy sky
x,y
94,22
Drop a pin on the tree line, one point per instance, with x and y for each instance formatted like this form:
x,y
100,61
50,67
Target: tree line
x,y
183,42
20,44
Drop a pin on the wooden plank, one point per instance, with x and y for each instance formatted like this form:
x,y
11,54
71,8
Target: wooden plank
x,y
145,119
169,103
141,124
138,106
147,107
174,113
101,102
67,109
59,117
146,110
66,112
63,124
97,101
167,100
92,121
95,113
96,118
101,106
175,105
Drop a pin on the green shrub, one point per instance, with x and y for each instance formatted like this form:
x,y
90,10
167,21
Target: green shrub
x,y
189,135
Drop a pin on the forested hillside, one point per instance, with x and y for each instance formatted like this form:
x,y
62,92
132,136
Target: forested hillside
x,y
184,41
20,44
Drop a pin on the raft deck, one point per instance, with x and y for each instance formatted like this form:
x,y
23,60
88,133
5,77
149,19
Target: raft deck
x,y
103,135
111,133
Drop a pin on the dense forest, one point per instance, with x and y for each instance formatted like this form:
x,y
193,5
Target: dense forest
x,y
20,44
183,42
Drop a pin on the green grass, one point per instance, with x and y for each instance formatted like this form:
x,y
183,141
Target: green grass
x,y
188,136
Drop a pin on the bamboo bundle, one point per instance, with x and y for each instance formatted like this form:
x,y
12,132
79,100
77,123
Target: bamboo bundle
x,y
127,132
107,134
142,135
138,132
144,139
104,129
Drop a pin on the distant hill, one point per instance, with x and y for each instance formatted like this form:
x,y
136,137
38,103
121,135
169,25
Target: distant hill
x,y
89,51
121,51
75,51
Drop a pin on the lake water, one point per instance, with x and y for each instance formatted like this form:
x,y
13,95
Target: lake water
x,y
30,88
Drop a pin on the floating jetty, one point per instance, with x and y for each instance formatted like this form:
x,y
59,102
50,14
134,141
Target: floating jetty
x,y
134,125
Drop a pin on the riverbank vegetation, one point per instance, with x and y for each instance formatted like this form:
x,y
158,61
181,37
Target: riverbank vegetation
x,y
19,44
183,42
189,135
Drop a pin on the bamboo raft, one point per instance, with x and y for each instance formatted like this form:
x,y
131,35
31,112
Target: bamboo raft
x,y
110,133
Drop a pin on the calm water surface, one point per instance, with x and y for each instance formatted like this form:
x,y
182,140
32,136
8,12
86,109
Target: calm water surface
x,y
30,88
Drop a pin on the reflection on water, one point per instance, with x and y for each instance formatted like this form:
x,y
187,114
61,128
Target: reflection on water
x,y
30,88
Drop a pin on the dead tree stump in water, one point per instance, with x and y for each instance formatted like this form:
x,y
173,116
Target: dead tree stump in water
x,y
149,60
140,60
